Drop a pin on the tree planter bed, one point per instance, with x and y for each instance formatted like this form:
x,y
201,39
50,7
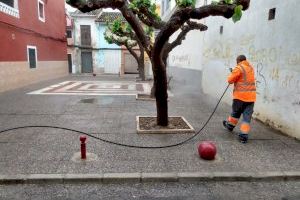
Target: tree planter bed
x,y
144,97
177,124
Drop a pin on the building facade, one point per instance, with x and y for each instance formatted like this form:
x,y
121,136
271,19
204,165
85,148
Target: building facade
x,y
89,50
84,43
113,58
268,34
33,42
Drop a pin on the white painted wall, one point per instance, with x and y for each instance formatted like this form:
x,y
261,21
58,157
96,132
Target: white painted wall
x,y
272,47
111,61
187,54
87,20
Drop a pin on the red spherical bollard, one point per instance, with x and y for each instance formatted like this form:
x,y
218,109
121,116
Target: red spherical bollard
x,y
83,146
207,150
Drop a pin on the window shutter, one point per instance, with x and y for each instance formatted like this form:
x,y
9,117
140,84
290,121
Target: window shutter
x,y
32,56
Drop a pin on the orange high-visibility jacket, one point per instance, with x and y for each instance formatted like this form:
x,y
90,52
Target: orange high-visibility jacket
x,y
243,79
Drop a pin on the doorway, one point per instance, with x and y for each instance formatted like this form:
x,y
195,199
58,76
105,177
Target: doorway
x,y
86,62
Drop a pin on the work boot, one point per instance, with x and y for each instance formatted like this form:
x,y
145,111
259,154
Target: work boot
x,y
243,138
227,126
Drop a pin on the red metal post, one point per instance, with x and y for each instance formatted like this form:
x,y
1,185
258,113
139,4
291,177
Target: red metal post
x,y
83,146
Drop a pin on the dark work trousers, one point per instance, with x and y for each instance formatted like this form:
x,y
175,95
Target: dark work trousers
x,y
240,107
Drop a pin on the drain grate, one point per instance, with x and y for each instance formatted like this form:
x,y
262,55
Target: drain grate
x,y
88,100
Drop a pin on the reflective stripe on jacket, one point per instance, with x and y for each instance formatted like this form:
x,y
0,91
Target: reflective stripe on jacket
x,y
244,82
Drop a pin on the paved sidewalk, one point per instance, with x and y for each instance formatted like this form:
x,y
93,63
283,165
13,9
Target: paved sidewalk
x,y
50,151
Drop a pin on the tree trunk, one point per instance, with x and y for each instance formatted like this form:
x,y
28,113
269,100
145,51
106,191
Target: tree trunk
x,y
141,64
139,59
161,94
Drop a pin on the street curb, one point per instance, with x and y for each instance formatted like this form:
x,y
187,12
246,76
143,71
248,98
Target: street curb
x,y
149,177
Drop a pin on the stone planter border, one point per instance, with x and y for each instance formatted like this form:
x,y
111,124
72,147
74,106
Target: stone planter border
x,y
164,131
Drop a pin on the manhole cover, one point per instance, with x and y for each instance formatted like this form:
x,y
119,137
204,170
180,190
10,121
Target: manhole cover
x,y
88,100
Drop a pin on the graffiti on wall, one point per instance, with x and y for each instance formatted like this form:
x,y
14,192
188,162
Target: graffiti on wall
x,y
266,55
183,60
293,59
261,82
220,50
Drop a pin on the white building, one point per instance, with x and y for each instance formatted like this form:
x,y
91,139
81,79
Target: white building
x,y
268,34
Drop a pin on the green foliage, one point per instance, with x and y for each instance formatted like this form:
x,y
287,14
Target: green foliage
x,y
237,13
120,27
215,2
238,10
128,28
228,1
149,30
139,6
186,3
116,26
112,38
108,39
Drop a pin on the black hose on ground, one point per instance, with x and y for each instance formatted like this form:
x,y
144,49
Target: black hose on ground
x,y
127,145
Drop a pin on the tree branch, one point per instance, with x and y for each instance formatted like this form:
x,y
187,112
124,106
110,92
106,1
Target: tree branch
x,y
136,26
147,18
185,29
224,10
183,15
90,5
133,53
119,40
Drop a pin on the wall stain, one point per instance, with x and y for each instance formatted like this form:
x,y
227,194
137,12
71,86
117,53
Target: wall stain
x,y
261,82
293,59
182,59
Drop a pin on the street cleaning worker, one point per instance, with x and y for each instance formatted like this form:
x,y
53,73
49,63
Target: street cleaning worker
x,y
244,96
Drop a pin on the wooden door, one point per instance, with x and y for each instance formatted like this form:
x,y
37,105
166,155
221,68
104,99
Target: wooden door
x,y
86,62
131,66
70,62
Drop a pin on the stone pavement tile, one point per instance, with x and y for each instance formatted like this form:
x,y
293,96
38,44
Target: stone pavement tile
x,y
270,155
98,166
28,104
28,167
114,118
133,138
263,190
11,121
15,137
34,152
81,109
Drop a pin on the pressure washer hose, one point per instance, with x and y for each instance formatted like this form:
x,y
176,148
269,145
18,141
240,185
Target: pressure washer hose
x,y
127,145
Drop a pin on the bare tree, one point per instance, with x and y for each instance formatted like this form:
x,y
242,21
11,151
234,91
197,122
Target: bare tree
x,y
135,11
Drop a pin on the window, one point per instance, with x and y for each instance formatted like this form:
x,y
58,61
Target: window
x,y
85,33
41,10
31,56
10,3
167,4
69,34
272,13
221,30
10,7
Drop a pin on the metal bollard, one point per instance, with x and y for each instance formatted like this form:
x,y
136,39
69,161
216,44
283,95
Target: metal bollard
x,y
83,146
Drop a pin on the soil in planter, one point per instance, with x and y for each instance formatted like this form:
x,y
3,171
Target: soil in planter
x,y
149,123
145,96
